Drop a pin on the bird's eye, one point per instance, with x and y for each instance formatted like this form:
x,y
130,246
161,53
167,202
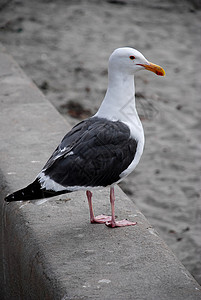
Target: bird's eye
x,y
132,57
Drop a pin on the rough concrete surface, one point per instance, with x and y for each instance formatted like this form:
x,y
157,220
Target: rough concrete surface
x,y
64,46
51,251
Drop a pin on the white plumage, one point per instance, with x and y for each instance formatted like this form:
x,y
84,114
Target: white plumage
x,y
103,149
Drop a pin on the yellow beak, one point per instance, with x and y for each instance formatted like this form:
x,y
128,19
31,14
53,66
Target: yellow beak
x,y
154,68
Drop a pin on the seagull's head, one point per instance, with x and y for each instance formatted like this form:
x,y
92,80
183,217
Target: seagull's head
x,y
129,60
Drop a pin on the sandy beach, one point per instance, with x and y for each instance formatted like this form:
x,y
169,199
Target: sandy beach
x,y
64,47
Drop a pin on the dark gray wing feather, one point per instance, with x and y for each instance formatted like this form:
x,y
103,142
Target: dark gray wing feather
x,y
94,153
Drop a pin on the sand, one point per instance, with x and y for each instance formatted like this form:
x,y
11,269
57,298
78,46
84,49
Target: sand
x,y
64,47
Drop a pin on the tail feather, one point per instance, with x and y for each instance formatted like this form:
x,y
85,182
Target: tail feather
x,y
32,192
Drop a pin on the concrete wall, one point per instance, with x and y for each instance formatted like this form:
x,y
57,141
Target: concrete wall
x,y
51,251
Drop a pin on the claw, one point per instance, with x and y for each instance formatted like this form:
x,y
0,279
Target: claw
x,y
121,223
101,219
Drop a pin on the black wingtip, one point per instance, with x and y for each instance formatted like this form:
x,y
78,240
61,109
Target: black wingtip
x,y
32,192
9,198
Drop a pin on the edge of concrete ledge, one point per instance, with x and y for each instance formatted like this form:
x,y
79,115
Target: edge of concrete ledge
x,y
51,251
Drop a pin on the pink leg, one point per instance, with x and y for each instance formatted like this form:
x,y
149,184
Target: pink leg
x,y
99,219
113,223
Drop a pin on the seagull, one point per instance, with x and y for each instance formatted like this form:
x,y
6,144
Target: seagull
x,y
102,150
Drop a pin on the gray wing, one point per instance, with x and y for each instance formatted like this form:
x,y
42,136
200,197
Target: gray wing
x,y
94,153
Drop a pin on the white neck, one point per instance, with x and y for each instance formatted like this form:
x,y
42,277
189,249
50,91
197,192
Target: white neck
x,y
119,105
119,101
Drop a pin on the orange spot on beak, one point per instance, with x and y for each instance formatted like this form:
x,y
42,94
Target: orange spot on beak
x,y
154,68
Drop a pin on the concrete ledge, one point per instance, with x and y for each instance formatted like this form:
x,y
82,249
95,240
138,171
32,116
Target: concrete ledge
x,y
51,251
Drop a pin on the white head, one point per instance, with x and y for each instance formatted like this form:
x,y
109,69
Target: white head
x,y
128,60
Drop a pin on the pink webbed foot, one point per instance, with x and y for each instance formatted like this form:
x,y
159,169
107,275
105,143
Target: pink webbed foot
x,y
110,221
101,219
121,223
